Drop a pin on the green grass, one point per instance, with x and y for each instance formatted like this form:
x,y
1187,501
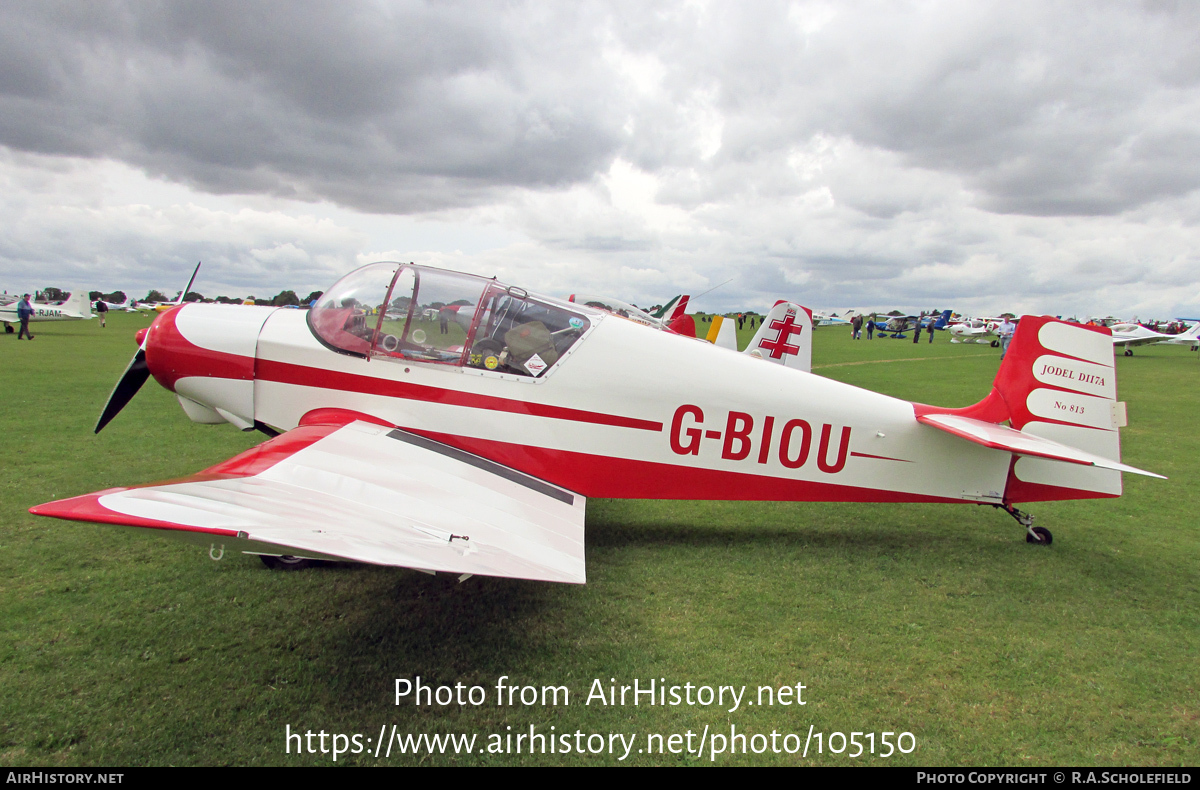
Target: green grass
x,y
122,647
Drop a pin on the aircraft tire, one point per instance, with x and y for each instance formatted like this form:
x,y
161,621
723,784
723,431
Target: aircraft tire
x,y
287,563
995,344
1044,538
1129,352
8,330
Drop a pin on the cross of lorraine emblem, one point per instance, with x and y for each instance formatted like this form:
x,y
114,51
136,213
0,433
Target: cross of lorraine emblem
x,y
780,345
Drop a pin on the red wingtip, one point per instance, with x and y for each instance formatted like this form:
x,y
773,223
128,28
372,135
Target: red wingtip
x,y
88,508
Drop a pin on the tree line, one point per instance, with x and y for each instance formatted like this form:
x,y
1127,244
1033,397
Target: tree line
x,y
282,299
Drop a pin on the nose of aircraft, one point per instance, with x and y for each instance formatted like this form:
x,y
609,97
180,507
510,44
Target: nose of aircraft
x,y
204,341
205,353
141,336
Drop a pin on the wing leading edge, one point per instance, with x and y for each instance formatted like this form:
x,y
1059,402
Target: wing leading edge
x,y
367,493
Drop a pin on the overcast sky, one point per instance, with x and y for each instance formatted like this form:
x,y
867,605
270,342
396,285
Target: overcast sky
x,y
1039,157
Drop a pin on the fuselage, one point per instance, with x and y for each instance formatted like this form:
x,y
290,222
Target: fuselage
x,y
42,312
713,424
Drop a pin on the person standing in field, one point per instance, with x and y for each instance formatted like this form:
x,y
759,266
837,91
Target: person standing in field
x,y
24,313
101,311
1006,331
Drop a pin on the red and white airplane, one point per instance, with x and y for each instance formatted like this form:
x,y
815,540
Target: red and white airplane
x,y
403,440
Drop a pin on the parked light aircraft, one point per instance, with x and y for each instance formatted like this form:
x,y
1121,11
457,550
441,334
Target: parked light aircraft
x,y
673,315
1128,336
784,336
129,305
977,330
77,307
895,327
475,453
826,318
940,320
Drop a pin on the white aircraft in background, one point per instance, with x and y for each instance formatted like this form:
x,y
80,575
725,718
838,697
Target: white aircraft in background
x,y
829,318
671,316
977,330
129,305
76,308
1127,336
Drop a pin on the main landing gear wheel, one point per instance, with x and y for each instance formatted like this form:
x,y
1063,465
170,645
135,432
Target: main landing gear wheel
x,y
1129,352
287,562
995,344
1040,536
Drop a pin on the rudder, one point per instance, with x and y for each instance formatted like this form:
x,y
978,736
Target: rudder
x,y
1058,381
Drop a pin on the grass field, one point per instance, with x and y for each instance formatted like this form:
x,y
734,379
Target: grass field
x,y
119,647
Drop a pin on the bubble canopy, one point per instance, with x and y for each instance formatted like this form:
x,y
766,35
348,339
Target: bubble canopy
x,y
410,313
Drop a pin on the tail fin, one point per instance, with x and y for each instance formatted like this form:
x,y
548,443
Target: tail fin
x,y
943,320
79,303
672,309
675,314
723,332
1057,382
785,337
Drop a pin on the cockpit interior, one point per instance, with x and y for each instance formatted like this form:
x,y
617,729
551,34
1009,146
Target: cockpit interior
x,y
410,313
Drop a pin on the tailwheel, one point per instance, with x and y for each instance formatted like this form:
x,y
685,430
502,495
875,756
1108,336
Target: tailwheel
x,y
1039,535
287,562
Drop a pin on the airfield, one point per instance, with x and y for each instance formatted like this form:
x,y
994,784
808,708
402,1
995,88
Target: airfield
x,y
122,647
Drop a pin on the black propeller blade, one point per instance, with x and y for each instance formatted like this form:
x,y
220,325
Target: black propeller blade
x,y
135,376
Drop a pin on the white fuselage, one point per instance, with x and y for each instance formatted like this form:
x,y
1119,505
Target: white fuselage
x,y
714,424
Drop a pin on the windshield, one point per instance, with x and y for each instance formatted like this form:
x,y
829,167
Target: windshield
x,y
403,312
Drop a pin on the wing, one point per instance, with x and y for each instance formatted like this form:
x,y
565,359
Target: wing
x,y
368,493
1124,342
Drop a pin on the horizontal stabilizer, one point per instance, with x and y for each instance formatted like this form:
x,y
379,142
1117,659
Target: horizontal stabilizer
x,y
1000,437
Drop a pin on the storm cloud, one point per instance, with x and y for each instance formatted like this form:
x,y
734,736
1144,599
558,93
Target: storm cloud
x,y
837,153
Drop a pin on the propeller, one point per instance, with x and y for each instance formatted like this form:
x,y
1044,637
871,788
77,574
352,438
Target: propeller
x,y
135,375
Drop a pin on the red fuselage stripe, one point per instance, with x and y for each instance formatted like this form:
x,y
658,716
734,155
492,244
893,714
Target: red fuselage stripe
x,y
287,373
881,457
624,478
